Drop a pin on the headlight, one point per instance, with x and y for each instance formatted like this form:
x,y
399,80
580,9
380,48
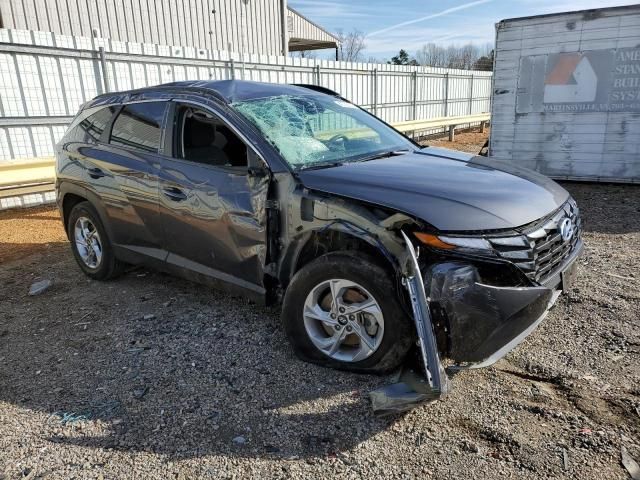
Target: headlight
x,y
446,242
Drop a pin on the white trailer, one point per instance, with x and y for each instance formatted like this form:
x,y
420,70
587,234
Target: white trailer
x,y
566,94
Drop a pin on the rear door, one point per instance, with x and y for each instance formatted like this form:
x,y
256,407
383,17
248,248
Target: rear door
x,y
84,140
213,211
125,176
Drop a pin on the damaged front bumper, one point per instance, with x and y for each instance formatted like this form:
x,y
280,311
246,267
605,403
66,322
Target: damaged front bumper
x,y
482,324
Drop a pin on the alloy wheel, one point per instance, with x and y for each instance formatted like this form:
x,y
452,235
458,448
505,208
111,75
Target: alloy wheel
x,y
343,320
88,242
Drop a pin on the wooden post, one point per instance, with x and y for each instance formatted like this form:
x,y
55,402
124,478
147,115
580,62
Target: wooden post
x,y
482,126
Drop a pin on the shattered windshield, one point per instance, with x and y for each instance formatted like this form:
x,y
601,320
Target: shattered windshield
x,y
320,130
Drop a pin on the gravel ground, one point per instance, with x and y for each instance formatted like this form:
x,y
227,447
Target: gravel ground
x,y
152,376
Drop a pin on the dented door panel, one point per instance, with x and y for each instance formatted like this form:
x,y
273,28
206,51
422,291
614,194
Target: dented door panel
x,y
216,222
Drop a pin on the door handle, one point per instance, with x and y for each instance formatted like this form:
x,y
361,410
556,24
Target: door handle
x,y
174,193
95,172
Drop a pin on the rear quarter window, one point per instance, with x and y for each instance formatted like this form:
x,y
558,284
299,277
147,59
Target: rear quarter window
x,y
94,125
139,126
90,124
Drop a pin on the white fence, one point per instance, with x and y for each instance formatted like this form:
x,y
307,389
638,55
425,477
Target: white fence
x,y
45,77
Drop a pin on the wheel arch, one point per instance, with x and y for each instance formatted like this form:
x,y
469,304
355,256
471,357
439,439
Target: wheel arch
x,y
71,194
310,245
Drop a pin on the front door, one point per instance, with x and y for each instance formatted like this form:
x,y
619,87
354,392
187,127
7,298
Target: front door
x,y
213,212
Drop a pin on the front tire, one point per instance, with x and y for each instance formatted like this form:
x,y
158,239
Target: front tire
x,y
342,310
90,244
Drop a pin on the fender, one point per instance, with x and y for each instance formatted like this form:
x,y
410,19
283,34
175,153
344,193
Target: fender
x,y
308,214
65,187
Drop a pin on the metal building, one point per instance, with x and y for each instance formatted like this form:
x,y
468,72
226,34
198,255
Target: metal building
x,y
243,26
566,94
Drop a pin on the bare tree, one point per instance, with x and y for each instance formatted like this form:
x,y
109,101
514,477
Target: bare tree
x,y
465,57
431,54
304,54
485,62
350,45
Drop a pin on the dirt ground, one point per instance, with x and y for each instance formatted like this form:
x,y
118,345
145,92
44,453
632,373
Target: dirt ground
x,y
150,376
470,141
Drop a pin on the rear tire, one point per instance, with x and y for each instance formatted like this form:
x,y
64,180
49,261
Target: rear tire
x,y
374,339
90,244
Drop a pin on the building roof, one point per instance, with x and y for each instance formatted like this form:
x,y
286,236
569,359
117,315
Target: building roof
x,y
304,34
319,27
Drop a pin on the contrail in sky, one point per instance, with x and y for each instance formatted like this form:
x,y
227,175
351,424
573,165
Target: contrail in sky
x,y
464,6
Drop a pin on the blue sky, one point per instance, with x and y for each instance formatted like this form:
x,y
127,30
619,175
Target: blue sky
x,y
392,25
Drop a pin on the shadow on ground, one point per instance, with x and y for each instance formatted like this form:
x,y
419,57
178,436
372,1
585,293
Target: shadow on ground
x,y
154,363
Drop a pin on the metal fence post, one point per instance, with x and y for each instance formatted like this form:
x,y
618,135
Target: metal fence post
x,y
374,90
471,96
105,73
414,106
232,66
318,82
446,94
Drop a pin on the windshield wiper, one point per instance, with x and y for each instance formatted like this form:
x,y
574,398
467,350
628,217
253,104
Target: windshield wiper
x,y
387,154
319,165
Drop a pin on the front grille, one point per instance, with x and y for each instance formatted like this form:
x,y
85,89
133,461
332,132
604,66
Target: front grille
x,y
540,250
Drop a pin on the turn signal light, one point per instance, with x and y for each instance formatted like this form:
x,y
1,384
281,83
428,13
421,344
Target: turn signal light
x,y
433,241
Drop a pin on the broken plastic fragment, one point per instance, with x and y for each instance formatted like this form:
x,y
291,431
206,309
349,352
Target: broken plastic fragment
x,y
408,392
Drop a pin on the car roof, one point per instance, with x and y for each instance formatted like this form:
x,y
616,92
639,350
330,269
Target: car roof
x,y
238,90
227,91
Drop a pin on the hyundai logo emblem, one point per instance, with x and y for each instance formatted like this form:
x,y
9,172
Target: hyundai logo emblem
x,y
566,229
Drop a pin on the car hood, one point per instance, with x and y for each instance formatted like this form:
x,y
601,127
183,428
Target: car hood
x,y
452,191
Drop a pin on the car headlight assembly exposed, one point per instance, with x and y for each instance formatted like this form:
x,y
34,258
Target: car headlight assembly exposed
x,y
462,244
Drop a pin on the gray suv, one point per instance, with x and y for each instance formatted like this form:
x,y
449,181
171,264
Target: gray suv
x,y
382,252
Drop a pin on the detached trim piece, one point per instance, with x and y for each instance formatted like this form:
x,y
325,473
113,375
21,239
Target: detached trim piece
x,y
422,317
412,389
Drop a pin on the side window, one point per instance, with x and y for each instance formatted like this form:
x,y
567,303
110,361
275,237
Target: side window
x,y
90,124
139,125
203,138
94,124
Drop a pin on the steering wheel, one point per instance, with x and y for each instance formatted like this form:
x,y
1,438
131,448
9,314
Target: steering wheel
x,y
336,139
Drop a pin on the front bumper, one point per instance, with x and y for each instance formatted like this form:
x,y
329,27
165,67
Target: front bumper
x,y
485,322
482,324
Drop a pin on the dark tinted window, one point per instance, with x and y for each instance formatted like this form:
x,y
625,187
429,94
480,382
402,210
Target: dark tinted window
x,y
204,138
93,126
89,124
138,126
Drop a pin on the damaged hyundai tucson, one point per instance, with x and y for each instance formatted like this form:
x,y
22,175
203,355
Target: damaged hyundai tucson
x,y
383,253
